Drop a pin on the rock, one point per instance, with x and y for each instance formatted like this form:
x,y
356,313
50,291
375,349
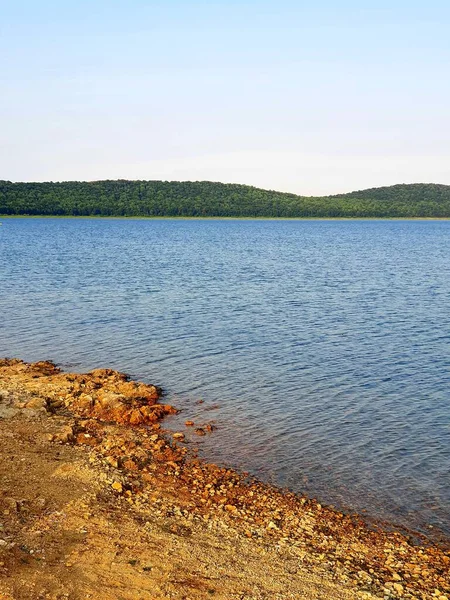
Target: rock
x,y
189,423
85,439
56,401
117,486
36,403
398,588
136,417
200,431
179,437
112,461
65,435
130,465
7,412
44,368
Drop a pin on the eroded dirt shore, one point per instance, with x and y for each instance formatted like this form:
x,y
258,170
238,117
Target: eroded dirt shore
x,y
98,501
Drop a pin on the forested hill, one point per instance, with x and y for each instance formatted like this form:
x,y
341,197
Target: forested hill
x,y
208,199
413,192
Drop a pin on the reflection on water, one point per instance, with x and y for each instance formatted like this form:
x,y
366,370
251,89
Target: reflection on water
x,y
326,344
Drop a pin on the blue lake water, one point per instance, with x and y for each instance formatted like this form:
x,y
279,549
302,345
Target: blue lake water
x,y
320,348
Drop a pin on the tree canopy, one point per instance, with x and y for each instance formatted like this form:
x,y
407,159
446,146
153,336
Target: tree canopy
x,y
211,199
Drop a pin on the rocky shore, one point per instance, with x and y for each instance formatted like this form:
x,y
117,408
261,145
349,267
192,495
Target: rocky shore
x,y
97,500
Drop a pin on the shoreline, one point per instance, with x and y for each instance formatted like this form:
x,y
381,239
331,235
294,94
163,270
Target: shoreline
x,y
174,218
117,426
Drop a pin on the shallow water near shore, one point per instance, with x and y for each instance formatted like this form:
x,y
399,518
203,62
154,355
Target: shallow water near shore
x,y
325,344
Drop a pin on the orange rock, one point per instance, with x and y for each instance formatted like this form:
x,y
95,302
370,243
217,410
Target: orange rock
x,y
44,368
85,439
130,465
136,417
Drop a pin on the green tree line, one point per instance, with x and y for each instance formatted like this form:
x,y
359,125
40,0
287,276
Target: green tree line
x,y
209,199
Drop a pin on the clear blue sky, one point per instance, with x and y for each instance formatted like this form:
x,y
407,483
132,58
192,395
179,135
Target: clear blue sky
x,y
309,97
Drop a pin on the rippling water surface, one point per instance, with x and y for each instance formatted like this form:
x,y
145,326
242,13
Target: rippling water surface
x,y
325,344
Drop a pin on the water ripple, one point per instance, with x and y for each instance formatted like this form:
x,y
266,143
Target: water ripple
x,y
325,344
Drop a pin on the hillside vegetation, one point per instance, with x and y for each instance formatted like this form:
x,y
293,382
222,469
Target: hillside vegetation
x,y
209,199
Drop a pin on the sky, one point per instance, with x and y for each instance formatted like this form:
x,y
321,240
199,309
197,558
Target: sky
x,y
310,97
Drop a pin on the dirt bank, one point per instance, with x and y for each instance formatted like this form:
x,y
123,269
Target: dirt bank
x,y
97,501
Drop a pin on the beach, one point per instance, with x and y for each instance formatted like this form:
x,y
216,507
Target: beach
x,y
99,500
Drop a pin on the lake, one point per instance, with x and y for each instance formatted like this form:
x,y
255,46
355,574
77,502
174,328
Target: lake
x,y
321,349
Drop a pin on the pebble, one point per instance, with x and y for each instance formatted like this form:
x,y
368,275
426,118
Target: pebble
x,y
116,485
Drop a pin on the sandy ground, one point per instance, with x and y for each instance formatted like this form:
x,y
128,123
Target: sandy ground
x,y
97,502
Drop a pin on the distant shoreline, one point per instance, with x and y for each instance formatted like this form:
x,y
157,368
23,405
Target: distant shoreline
x,y
208,199
172,218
